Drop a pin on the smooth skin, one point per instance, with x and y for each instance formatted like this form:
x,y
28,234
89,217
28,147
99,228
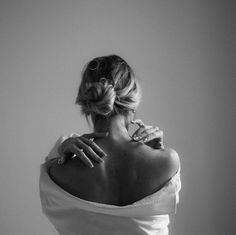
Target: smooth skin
x,y
130,171
86,149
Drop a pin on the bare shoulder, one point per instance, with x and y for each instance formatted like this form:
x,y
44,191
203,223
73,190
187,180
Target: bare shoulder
x,y
56,172
168,159
157,166
162,159
62,174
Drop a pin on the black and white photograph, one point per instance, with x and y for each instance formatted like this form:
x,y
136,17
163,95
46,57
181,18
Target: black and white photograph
x,y
117,117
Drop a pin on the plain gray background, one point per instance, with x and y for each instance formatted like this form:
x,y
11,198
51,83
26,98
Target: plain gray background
x,y
182,51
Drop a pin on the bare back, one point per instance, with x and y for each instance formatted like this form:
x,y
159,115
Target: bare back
x,y
130,172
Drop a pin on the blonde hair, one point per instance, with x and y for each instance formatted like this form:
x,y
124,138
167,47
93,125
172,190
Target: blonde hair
x,y
108,87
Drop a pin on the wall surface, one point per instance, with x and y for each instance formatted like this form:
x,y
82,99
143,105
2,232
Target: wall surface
x,y
183,53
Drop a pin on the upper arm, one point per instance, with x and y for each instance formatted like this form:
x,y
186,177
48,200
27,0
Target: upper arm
x,y
168,162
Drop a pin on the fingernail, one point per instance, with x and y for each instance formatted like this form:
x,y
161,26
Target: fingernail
x,y
135,138
145,139
107,133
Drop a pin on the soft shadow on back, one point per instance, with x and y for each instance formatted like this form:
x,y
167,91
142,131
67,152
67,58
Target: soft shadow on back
x,y
124,177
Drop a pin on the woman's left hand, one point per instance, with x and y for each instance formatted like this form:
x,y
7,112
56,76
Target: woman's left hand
x,y
149,135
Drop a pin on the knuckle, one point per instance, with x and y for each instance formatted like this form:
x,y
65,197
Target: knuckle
x,y
78,154
81,154
92,144
89,149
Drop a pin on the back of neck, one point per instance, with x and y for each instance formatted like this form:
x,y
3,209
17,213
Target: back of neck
x,y
117,126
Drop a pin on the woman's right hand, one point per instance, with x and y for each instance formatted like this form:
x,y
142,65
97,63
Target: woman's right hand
x,y
83,147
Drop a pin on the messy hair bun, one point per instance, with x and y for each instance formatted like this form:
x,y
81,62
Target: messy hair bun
x,y
108,87
98,97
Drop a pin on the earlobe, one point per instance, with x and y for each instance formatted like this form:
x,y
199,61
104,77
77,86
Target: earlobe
x,y
133,115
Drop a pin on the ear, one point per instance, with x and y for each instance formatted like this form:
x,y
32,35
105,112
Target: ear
x,y
130,116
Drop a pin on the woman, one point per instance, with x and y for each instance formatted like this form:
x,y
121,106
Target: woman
x,y
135,187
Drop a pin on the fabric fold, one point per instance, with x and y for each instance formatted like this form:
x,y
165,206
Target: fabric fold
x,y
72,215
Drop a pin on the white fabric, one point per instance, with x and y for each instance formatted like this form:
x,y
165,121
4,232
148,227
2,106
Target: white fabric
x,y
71,215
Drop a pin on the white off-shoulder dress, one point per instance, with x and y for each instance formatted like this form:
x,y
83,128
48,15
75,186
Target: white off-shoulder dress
x,y
71,215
